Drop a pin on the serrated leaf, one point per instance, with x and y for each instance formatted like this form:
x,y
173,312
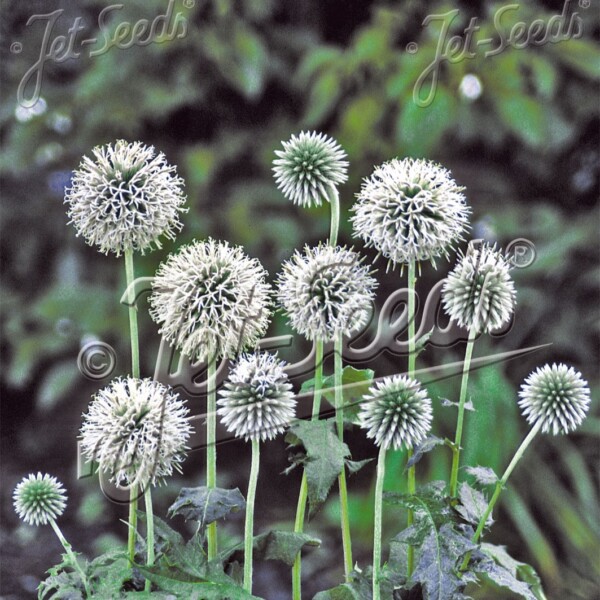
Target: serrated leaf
x,y
483,475
345,591
472,505
207,590
108,572
324,460
355,382
282,545
438,558
427,445
354,466
529,575
273,545
503,578
206,505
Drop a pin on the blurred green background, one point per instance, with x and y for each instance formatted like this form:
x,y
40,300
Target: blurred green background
x,y
518,129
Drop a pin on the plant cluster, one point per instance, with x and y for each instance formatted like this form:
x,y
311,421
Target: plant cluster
x,y
211,302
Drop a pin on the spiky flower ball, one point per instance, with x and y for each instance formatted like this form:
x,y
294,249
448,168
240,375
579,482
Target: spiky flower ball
x,y
39,499
136,430
125,198
257,401
410,209
396,412
309,168
211,300
557,396
326,291
479,293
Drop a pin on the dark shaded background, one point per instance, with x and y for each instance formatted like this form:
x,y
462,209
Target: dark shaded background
x,y
218,102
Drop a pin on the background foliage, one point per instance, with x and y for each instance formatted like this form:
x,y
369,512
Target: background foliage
x,y
218,102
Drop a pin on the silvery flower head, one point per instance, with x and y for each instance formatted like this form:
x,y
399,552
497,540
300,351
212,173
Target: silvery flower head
x,y
136,430
396,412
211,300
257,401
557,396
126,198
326,291
479,293
39,499
410,210
309,168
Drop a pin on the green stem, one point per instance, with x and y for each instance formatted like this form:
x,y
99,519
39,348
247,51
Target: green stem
x,y
133,491
71,556
377,523
249,529
135,372
412,361
211,448
339,415
133,325
334,226
461,414
303,496
499,486
149,533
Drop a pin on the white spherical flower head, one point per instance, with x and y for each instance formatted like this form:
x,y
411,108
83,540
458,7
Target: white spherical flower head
x,y
410,210
557,396
326,291
211,300
125,198
39,499
396,412
136,430
479,293
257,401
309,168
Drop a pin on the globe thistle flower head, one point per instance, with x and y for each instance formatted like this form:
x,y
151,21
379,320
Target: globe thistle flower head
x,y
396,412
211,300
257,401
326,291
557,396
136,430
39,499
410,210
479,293
309,168
125,198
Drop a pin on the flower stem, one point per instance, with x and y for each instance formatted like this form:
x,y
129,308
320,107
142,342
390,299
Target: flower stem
x,y
149,533
499,486
412,360
133,492
377,524
339,408
71,556
211,448
334,200
249,529
302,498
461,414
135,372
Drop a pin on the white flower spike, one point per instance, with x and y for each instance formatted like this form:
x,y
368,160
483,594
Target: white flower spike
x,y
126,198
136,430
211,300
309,168
257,402
39,499
557,396
410,210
